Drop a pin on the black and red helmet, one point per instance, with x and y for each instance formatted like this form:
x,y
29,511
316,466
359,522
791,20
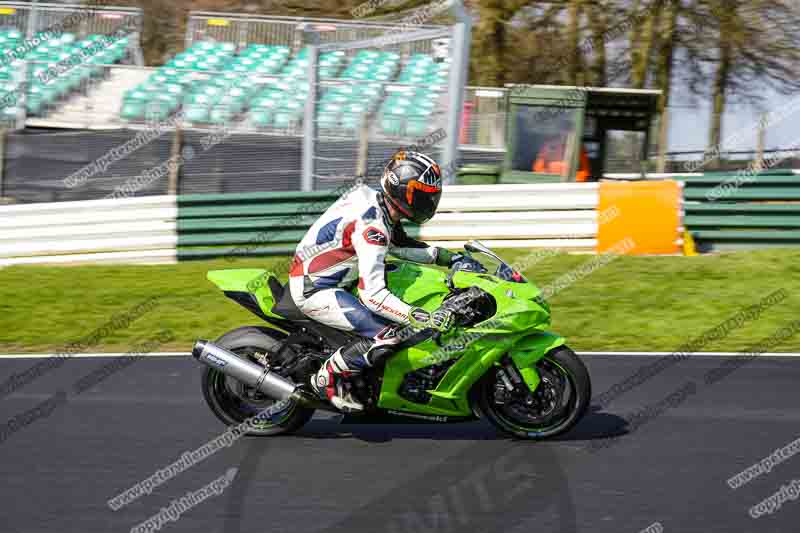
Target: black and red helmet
x,y
412,184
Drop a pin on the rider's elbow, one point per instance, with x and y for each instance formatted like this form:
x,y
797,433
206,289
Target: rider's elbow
x,y
370,299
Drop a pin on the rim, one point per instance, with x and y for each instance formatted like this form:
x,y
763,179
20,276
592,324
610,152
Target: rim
x,y
549,407
241,402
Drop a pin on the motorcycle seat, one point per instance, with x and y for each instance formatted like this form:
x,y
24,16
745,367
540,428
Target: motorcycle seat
x,y
284,304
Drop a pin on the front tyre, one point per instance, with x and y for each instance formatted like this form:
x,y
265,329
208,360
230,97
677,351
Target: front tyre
x,y
557,404
233,402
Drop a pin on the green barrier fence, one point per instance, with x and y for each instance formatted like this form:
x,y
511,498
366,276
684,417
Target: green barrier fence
x,y
246,224
764,211
726,211
250,224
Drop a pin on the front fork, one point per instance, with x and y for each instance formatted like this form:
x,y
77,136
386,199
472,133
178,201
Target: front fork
x,y
514,378
520,366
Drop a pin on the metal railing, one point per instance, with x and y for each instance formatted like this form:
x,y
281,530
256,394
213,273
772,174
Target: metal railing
x,y
275,30
81,20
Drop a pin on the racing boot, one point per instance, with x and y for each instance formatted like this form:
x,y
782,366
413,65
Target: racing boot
x,y
329,383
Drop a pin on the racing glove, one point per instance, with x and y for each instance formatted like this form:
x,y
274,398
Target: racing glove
x,y
446,258
441,320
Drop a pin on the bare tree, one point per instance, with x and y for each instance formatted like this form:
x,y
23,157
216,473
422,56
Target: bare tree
x,y
666,57
597,12
757,47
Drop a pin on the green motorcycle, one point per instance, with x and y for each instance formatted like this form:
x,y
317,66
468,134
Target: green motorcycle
x,y
498,363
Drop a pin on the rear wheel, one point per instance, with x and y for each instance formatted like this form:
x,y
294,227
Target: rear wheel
x,y
233,402
560,400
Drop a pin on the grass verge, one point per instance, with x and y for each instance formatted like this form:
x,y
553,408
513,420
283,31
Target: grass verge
x,y
631,303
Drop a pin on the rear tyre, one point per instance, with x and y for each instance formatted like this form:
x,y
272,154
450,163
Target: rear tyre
x,y
233,402
557,404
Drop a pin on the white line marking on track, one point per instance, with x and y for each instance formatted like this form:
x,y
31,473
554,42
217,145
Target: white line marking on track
x,y
184,354
80,355
701,354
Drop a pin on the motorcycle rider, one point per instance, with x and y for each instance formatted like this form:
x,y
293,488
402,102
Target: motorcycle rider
x,y
348,245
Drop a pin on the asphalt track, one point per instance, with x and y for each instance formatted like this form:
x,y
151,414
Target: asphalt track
x,y
607,475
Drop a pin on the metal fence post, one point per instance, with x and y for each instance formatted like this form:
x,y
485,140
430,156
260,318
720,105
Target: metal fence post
x,y
363,149
663,131
458,80
309,114
33,12
175,170
760,142
22,94
2,161
190,28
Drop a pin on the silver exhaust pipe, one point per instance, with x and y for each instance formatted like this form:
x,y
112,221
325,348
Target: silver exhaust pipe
x,y
275,386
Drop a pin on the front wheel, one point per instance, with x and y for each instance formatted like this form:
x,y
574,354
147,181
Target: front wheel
x,y
233,402
557,404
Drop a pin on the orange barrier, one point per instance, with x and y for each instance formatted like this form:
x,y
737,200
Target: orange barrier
x,y
646,214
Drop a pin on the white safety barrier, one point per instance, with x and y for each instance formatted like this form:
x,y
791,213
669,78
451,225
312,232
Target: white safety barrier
x,y
547,215
132,230
144,230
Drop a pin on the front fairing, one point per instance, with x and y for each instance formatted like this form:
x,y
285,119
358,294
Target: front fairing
x,y
417,285
521,313
520,306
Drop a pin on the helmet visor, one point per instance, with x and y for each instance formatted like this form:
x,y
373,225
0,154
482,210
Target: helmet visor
x,y
422,200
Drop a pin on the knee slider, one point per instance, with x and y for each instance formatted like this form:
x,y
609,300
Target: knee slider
x,y
354,354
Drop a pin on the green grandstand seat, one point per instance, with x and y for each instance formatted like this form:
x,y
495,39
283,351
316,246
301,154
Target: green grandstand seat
x,y
179,64
61,86
391,124
339,98
157,110
175,90
288,113
372,93
215,62
234,100
223,81
367,54
10,112
416,126
267,68
34,102
172,75
205,45
241,68
356,107
261,117
282,118
220,114
268,95
197,112
328,119
351,121
132,109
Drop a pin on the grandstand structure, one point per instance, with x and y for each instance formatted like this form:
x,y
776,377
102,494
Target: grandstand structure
x,y
264,87
56,53
329,98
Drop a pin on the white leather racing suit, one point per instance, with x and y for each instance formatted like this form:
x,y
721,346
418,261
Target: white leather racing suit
x,y
348,245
